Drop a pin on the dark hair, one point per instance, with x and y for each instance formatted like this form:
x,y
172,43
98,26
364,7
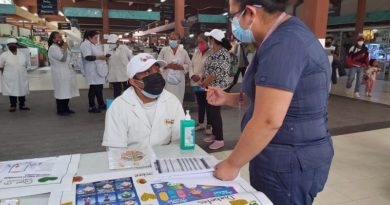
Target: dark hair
x,y
270,6
202,36
372,61
329,37
51,38
224,43
90,34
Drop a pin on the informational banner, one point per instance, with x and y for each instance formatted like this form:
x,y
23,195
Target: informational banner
x,y
63,26
47,7
167,13
38,31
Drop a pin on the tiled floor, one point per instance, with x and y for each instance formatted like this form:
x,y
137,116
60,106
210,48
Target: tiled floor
x,y
360,172
380,94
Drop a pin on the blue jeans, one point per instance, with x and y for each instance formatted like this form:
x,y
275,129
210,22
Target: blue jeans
x,y
351,76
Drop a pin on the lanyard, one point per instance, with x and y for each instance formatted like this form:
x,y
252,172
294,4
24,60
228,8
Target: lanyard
x,y
273,28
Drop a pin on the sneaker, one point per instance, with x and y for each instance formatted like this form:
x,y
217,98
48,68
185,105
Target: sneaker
x,y
209,130
357,95
210,138
369,95
217,144
70,112
12,109
93,110
200,127
24,108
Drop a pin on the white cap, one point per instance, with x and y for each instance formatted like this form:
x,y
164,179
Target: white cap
x,y
216,34
141,63
11,40
112,38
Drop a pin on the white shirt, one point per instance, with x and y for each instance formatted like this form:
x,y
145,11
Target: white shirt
x,y
127,123
197,64
94,71
14,78
117,64
180,57
63,76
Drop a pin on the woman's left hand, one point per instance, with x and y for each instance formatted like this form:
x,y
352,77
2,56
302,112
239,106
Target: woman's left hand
x,y
226,171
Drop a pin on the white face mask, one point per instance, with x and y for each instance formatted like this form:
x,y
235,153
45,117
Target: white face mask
x,y
360,43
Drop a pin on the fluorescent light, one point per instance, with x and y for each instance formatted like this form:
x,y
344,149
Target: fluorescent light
x,y
24,8
60,13
131,3
374,30
149,10
192,35
162,1
67,20
120,36
225,14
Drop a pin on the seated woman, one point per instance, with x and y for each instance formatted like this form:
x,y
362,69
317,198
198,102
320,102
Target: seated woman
x,y
145,114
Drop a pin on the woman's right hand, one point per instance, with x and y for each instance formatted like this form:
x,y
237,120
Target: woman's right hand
x,y
216,96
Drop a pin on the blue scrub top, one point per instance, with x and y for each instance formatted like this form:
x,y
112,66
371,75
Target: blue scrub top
x,y
293,59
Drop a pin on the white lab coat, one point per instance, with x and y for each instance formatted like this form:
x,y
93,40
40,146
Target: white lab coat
x,y
197,64
183,59
128,126
94,71
117,64
63,76
14,78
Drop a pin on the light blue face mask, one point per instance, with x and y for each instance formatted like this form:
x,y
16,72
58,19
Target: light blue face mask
x,y
210,45
148,95
111,46
173,43
244,36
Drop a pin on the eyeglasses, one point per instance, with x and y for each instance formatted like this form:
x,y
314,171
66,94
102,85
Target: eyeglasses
x,y
232,15
242,12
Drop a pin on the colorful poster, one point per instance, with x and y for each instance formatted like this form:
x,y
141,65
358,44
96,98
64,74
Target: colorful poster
x,y
113,192
176,193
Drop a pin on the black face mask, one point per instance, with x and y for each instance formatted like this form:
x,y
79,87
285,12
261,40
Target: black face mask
x,y
60,43
153,85
328,44
12,48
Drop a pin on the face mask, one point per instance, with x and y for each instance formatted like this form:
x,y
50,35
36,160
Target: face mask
x,y
245,36
360,43
173,43
202,47
153,85
210,45
12,48
328,44
111,46
60,43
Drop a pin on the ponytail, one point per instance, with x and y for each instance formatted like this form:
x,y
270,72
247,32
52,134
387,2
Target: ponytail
x,y
225,43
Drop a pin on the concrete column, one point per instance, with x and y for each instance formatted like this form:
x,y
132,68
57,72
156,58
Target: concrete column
x,y
106,22
179,17
360,17
315,16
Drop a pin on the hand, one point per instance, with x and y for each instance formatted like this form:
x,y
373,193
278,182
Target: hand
x,y
195,78
65,46
216,96
179,67
169,66
226,171
104,58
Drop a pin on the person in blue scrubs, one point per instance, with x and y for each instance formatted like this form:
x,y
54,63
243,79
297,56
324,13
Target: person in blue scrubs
x,y
284,131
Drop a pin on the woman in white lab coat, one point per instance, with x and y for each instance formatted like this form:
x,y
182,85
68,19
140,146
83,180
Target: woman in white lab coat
x,y
94,69
145,114
120,57
178,61
63,76
13,65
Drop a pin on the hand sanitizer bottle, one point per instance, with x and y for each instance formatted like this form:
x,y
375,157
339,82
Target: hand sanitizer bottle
x,y
187,133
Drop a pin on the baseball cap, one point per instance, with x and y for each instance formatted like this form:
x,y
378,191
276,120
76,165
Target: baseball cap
x,y
11,40
141,63
112,38
216,34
